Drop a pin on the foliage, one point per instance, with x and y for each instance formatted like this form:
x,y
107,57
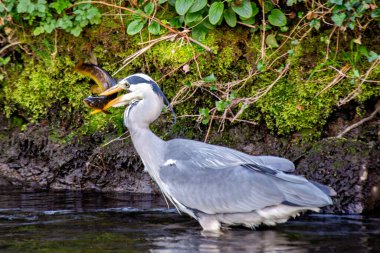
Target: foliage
x,y
248,79
46,16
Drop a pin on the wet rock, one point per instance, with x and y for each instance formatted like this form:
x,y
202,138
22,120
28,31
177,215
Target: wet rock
x,y
351,168
32,160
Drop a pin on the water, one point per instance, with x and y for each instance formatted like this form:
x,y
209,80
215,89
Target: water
x,y
98,222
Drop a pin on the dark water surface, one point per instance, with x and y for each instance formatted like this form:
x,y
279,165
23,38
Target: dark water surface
x,y
97,222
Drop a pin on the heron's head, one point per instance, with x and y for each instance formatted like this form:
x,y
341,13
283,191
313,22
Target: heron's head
x,y
141,88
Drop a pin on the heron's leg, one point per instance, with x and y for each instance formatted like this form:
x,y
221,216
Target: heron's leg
x,y
209,222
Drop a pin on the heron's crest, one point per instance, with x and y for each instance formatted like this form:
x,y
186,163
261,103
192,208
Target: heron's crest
x,y
143,78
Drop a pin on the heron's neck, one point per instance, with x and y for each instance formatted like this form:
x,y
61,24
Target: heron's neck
x,y
150,148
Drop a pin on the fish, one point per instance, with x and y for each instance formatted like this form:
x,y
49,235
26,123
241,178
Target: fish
x,y
103,81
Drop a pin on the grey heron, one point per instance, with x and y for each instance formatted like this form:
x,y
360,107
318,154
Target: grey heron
x,y
213,184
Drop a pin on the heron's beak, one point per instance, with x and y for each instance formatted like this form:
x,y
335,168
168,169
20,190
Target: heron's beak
x,y
121,101
115,89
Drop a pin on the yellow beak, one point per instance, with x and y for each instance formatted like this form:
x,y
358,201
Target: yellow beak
x,y
120,101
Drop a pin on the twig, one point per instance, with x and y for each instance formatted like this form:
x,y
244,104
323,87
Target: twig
x,y
9,45
171,29
337,79
116,139
373,114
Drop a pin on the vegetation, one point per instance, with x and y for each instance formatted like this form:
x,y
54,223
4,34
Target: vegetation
x,y
288,66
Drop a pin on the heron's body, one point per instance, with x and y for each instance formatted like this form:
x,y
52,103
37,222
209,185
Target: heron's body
x,y
214,184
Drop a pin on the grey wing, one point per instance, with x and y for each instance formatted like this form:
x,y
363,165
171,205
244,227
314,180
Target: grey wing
x,y
212,156
199,177
242,188
227,190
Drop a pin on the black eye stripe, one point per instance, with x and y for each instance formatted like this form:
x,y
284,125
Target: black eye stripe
x,y
137,79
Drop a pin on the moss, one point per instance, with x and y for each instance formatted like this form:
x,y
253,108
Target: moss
x,y
45,85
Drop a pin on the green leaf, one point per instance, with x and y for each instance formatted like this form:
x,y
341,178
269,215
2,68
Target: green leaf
x,y
199,32
135,27
215,12
182,6
293,2
222,105
154,28
205,113
40,6
230,17
93,15
60,5
76,31
268,6
376,13
210,79
339,18
149,8
277,18
198,5
284,29
338,2
162,1
25,6
192,17
271,41
176,22
260,66
244,9
255,9
39,30
4,61
316,24
64,22
372,56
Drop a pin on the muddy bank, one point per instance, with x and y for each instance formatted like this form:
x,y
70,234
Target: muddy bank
x,y
31,159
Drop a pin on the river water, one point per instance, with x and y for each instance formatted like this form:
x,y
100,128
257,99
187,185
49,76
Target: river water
x,y
114,222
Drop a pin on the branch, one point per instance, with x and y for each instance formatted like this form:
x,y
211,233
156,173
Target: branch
x,y
373,114
171,29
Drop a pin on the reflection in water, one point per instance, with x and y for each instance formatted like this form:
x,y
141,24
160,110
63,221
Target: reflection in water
x,y
98,222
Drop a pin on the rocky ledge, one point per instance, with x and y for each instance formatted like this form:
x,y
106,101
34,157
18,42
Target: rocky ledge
x,y
31,159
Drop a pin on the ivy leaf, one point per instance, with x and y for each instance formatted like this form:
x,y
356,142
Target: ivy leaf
x,y
244,9
154,28
135,27
149,8
230,17
76,31
93,15
372,56
39,30
277,18
205,113
64,22
316,24
40,6
215,12
198,5
25,6
271,41
338,18
60,5
221,105
182,6
210,79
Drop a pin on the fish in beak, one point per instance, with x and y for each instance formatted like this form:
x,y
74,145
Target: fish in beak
x,y
120,100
